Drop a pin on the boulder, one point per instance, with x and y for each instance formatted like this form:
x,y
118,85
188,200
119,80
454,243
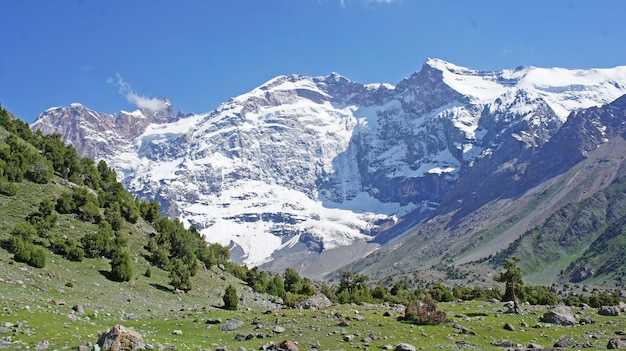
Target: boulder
x,y
315,302
288,345
231,324
612,311
502,343
78,308
42,346
561,315
509,326
120,338
564,343
616,343
404,347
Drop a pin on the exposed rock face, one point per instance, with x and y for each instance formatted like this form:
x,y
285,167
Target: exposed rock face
x,y
561,315
303,165
120,338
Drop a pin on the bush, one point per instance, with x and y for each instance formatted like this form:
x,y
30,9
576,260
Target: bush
x,y
69,250
121,268
7,188
231,301
37,257
424,313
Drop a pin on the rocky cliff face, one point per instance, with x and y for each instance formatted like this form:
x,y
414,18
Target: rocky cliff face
x,y
308,165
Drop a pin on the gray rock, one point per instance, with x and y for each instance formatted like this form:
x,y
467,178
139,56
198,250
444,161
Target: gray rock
x,y
278,329
4,330
509,326
565,342
231,324
316,302
534,346
120,338
612,311
348,338
502,343
616,343
404,347
42,345
561,315
78,308
288,345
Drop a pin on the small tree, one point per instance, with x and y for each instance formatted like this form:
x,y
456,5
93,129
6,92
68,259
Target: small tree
x,y
512,278
231,301
121,268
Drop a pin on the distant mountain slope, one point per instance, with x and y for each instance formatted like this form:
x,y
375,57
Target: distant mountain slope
x,y
305,171
557,207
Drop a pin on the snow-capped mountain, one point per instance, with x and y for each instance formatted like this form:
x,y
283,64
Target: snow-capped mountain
x,y
302,166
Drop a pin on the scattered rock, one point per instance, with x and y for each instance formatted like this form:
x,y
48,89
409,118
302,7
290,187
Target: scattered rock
x,y
4,330
502,343
343,323
463,330
612,311
278,329
387,347
231,324
348,338
214,321
78,308
177,332
288,345
404,347
616,343
42,345
509,326
120,338
565,342
387,314
561,315
534,346
586,320
622,306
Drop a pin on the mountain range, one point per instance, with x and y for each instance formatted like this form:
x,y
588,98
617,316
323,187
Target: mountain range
x,y
448,167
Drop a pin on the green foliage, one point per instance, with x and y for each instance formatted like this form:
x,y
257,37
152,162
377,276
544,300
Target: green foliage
x,y
98,244
7,188
441,293
231,300
37,257
25,230
69,249
180,275
27,252
512,278
121,267
353,288
148,273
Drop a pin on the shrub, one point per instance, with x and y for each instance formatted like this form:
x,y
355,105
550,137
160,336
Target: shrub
x,y
121,268
37,257
7,188
231,301
423,312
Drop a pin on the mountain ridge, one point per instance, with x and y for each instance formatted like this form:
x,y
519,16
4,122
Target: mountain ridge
x,y
322,162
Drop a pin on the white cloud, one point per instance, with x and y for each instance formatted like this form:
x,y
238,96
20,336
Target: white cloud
x,y
143,102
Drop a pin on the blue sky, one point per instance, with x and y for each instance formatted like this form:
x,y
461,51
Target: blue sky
x,y
201,53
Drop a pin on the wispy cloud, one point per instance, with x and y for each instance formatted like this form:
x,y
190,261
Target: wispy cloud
x,y
143,102
344,3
